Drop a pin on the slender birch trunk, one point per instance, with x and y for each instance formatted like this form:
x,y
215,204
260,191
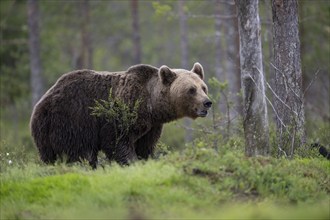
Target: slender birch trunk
x,y
36,80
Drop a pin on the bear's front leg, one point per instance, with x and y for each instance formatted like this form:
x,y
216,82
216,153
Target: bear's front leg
x,y
145,145
124,153
119,149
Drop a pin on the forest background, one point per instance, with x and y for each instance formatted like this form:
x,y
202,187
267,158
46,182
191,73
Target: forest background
x,y
114,35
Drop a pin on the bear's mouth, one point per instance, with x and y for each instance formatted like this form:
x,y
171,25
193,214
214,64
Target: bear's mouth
x,y
202,113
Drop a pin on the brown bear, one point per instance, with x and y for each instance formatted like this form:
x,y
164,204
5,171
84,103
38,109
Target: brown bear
x,y
62,124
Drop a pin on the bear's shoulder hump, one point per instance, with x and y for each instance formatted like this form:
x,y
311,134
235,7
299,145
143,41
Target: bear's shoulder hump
x,y
143,70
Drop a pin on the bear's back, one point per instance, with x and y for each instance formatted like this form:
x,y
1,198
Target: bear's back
x,y
82,87
74,90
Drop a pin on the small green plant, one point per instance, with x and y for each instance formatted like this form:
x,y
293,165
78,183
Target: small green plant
x,y
222,125
15,156
120,115
161,150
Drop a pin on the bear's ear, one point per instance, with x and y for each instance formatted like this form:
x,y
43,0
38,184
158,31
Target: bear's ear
x,y
198,69
167,76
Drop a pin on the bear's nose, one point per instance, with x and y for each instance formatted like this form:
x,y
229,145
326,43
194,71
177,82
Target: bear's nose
x,y
207,104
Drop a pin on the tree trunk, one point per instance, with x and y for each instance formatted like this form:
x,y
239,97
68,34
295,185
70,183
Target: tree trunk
x,y
85,58
184,57
219,51
36,80
269,35
288,100
183,35
232,67
136,32
255,109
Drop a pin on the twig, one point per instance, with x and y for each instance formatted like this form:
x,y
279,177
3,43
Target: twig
x,y
277,95
228,112
213,16
270,103
225,122
312,81
281,150
280,98
286,84
193,129
226,2
286,88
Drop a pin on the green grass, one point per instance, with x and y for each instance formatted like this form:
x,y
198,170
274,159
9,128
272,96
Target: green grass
x,y
197,183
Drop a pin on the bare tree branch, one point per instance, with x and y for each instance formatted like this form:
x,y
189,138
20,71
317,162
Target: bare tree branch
x,y
277,95
312,81
278,117
213,16
286,85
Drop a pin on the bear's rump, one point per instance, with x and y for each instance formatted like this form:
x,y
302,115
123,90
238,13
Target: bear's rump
x,y
74,134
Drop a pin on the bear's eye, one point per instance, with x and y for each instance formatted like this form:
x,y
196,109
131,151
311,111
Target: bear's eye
x,y
192,91
204,89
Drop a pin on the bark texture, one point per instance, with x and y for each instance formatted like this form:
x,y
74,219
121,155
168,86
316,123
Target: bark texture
x,y
219,49
184,57
288,78
255,109
233,63
183,35
36,80
136,31
85,56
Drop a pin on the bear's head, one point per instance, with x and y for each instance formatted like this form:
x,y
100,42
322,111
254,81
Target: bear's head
x,y
188,91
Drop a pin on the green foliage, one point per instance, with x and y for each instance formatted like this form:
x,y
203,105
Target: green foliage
x,y
161,150
216,88
222,124
208,178
162,10
173,135
14,157
14,60
119,114
202,184
319,132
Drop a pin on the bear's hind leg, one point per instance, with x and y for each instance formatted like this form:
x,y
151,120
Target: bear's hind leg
x,y
93,160
47,156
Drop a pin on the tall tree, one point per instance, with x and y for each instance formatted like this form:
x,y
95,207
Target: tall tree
x,y
36,80
136,31
85,57
288,98
219,50
183,35
255,109
184,56
220,53
232,55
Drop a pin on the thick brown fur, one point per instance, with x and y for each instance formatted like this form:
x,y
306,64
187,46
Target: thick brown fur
x,y
62,124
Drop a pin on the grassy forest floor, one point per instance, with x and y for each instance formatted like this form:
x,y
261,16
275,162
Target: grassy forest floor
x,y
196,183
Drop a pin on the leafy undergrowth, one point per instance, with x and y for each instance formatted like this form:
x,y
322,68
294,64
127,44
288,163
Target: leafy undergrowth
x,y
194,184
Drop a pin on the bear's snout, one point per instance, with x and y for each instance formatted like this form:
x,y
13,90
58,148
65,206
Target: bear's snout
x,y
203,110
207,103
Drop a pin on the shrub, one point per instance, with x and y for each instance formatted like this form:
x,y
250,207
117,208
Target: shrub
x,y
115,111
